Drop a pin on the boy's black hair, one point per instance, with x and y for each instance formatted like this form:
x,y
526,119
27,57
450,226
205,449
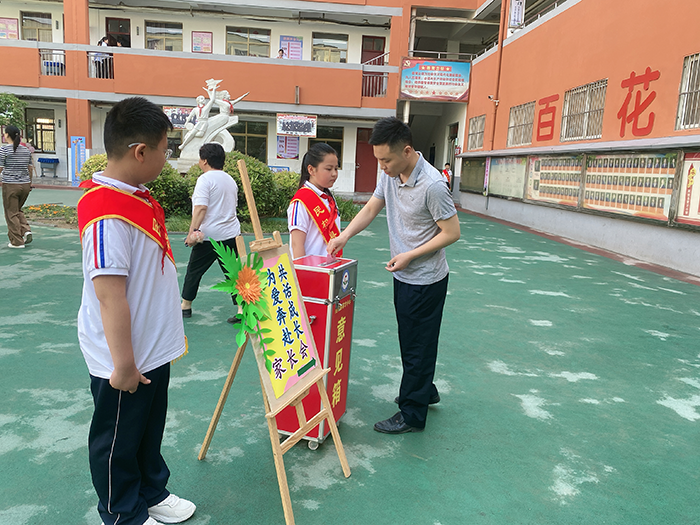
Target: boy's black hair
x,y
392,132
214,154
132,120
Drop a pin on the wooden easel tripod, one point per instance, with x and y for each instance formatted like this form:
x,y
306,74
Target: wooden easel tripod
x,y
295,395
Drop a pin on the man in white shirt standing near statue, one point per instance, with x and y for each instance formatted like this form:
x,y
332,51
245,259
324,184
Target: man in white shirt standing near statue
x,y
214,217
422,221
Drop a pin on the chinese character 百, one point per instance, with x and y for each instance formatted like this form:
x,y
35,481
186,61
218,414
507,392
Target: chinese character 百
x,y
546,117
338,361
291,358
341,330
639,105
277,367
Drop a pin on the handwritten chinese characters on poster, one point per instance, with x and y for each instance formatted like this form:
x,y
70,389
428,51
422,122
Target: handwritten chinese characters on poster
x,y
639,185
555,179
689,196
292,352
434,80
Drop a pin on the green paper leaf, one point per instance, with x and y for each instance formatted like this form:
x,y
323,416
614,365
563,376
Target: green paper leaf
x,y
268,365
268,353
267,341
225,286
240,338
265,330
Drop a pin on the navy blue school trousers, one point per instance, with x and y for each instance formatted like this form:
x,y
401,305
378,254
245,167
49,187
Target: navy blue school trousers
x,y
201,259
419,315
128,471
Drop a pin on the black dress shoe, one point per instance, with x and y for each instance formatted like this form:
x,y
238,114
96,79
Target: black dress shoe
x,y
395,425
187,313
434,400
233,320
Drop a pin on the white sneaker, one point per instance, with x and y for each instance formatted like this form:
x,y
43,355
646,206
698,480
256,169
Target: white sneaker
x,y
28,237
10,245
172,510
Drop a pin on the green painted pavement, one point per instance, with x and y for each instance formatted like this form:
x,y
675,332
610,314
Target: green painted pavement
x,y
570,391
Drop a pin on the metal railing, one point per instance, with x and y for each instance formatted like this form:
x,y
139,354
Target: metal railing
x,y
443,55
53,62
100,65
374,84
381,60
535,17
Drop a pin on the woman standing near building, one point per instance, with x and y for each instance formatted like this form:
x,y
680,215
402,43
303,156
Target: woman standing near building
x,y
16,168
313,216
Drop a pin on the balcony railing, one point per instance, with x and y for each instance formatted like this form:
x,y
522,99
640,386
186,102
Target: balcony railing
x,y
53,62
100,65
442,55
374,83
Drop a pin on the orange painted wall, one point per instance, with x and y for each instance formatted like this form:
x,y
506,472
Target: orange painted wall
x,y
594,40
20,66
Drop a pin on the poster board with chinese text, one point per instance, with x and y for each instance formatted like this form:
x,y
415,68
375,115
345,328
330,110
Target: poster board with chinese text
x,y
292,354
472,177
9,29
637,184
434,79
556,180
689,195
507,176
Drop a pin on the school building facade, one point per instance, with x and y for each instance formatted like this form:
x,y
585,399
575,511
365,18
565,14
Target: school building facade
x,y
341,65
583,121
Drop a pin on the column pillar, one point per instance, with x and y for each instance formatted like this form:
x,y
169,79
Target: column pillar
x,y
79,120
76,16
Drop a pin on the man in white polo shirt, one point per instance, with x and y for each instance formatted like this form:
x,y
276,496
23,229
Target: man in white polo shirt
x,y
422,221
214,217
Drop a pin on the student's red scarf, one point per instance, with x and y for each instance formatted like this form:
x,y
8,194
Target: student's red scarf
x,y
322,216
105,202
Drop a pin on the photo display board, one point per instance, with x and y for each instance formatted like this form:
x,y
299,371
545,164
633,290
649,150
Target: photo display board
x,y
554,179
637,184
507,176
472,178
689,196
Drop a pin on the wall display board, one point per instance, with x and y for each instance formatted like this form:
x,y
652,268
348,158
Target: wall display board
x,y
507,176
554,179
296,125
434,79
637,184
689,196
8,29
472,178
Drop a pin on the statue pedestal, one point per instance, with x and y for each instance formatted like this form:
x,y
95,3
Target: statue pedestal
x,y
184,164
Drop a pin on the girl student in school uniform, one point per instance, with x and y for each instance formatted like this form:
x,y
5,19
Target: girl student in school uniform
x,y
312,215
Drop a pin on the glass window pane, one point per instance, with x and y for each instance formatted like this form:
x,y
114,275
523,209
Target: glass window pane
x,y
328,132
257,128
257,147
237,128
259,50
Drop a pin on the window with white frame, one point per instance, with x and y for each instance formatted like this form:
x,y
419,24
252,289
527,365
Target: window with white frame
x,y
163,36
248,42
36,27
330,47
41,129
688,115
475,136
331,135
520,124
582,115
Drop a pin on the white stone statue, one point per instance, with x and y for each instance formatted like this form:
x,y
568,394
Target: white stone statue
x,y
208,128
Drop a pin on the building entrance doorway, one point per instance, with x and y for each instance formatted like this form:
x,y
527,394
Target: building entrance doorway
x,y
365,163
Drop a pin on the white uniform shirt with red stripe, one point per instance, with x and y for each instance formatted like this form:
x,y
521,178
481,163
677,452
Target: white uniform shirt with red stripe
x,y
298,218
114,247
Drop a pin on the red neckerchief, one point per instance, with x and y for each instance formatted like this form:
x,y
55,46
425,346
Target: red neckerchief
x,y
139,209
323,218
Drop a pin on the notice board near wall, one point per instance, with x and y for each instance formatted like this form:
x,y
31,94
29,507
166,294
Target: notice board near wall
x,y
472,178
507,176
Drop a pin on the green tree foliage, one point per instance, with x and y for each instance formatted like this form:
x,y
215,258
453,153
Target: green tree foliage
x,y
11,110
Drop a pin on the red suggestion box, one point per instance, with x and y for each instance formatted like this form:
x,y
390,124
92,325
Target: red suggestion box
x,y
328,291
